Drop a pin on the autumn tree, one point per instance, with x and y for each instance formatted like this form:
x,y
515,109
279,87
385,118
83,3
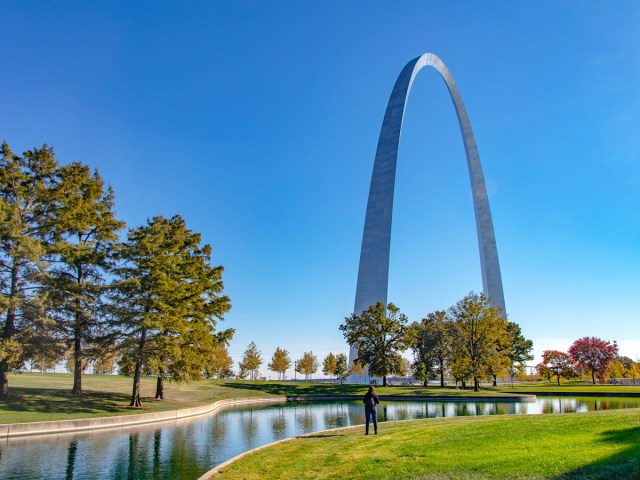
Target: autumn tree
x,y
555,363
478,334
166,304
220,363
26,207
307,365
329,365
379,334
250,363
593,354
280,362
431,345
342,367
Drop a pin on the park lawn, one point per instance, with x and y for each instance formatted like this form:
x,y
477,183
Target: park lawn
x,y
594,445
37,397
567,387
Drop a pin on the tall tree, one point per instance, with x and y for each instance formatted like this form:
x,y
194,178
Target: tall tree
x,y
431,345
82,254
307,365
221,363
251,361
280,362
26,205
329,365
379,334
342,367
519,348
479,332
167,302
593,354
555,363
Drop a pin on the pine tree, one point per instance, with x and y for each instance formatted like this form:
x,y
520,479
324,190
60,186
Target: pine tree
x,y
26,204
85,232
167,303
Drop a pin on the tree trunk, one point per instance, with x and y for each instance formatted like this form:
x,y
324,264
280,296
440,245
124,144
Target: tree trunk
x,y
135,394
558,379
384,380
464,385
495,381
425,383
593,376
475,384
77,340
441,373
160,386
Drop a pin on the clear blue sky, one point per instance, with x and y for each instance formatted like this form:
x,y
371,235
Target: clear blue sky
x,y
258,121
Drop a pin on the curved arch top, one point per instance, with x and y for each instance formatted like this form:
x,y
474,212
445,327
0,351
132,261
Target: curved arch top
x,y
373,272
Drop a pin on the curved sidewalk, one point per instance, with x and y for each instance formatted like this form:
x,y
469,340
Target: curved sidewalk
x,y
13,430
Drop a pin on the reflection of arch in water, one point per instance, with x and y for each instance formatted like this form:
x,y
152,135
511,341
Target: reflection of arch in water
x,y
373,271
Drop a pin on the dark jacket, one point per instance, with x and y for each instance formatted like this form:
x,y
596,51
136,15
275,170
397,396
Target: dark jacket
x,y
370,401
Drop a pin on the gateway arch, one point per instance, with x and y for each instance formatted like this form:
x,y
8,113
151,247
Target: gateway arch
x,y
373,272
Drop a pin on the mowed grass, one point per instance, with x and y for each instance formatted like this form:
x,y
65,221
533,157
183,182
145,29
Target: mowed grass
x,y
568,387
595,445
37,397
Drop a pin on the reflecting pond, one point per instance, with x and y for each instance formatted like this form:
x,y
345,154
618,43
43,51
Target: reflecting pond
x,y
185,449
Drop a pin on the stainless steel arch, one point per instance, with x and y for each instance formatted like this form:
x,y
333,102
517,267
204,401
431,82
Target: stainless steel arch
x,y
373,272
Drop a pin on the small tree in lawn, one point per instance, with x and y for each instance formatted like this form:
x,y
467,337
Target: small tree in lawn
x,y
308,365
379,334
556,363
329,365
280,362
593,354
250,363
342,367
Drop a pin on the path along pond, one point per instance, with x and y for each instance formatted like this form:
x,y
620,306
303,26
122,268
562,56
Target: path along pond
x,y
186,449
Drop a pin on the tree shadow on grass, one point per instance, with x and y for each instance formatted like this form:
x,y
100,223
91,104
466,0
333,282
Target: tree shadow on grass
x,y
624,465
52,400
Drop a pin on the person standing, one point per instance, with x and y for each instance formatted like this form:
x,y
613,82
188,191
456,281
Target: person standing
x,y
370,401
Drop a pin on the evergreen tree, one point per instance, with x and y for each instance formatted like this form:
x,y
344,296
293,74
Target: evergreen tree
x,y
167,303
26,205
342,367
85,232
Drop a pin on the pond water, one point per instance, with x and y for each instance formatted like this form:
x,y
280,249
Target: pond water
x,y
187,448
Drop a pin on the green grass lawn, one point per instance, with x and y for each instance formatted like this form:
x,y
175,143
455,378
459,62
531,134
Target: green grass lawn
x,y
595,445
567,387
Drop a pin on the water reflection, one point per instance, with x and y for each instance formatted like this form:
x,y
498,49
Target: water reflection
x,y
189,447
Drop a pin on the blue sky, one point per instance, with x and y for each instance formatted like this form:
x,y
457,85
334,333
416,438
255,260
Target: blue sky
x,y
258,121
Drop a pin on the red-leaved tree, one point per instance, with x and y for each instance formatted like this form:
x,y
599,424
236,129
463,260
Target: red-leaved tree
x,y
555,363
593,354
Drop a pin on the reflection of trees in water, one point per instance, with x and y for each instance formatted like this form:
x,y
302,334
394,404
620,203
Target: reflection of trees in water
x,y
336,415
249,426
157,439
279,423
304,418
71,459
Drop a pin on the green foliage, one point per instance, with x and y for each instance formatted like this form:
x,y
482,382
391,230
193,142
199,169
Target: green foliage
x,y
379,334
431,344
342,367
167,301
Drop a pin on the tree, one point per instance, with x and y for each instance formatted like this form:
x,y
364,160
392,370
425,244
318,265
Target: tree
x,y
379,334
220,362
166,304
555,363
329,365
250,363
26,204
593,354
84,235
519,349
478,334
431,345
280,362
342,367
404,368
616,370
307,365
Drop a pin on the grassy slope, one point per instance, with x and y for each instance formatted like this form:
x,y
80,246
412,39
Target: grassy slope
x,y
38,397
596,445
568,387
